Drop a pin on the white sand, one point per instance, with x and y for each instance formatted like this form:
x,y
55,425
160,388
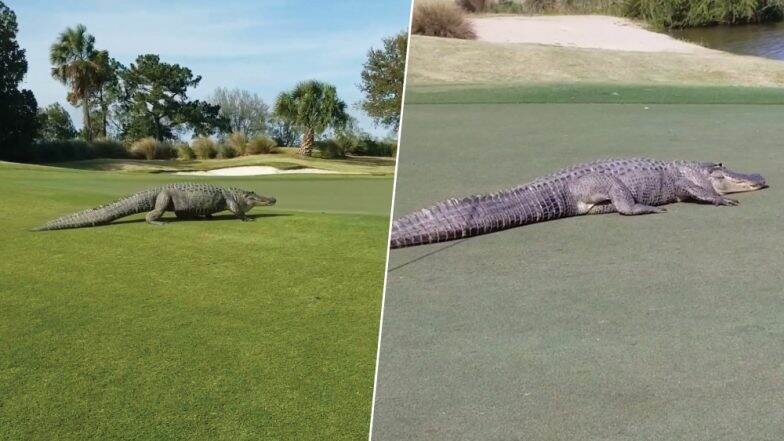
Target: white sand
x,y
583,31
254,170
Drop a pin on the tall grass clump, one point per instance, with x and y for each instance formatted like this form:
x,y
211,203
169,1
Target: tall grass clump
x,y
692,13
439,18
184,151
238,141
474,5
225,151
151,148
612,7
260,145
204,148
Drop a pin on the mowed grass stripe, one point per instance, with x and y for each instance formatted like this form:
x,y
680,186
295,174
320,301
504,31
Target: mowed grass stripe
x,y
592,94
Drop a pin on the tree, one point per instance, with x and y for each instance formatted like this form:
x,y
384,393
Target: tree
x,y
155,101
55,123
284,133
246,112
106,91
76,63
382,81
18,108
312,107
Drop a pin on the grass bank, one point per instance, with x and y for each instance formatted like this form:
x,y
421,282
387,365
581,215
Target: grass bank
x,y
442,61
195,330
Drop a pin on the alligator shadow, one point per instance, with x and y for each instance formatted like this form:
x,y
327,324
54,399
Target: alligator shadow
x,y
213,218
417,259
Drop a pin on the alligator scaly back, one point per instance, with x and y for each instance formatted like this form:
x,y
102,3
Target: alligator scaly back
x,y
630,186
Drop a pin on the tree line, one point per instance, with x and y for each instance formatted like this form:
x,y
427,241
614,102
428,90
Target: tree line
x,y
148,100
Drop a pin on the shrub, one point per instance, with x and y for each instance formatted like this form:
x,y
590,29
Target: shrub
x,y
473,5
184,151
441,19
203,148
369,146
678,13
165,150
144,148
72,150
151,148
107,148
331,149
261,144
238,141
224,151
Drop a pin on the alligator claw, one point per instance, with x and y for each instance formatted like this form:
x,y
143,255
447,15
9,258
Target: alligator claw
x,y
728,201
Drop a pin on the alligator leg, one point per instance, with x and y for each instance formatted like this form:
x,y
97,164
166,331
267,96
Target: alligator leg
x,y
623,201
162,202
697,193
232,205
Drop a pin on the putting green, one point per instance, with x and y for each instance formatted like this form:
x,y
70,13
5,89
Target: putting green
x,y
596,327
196,330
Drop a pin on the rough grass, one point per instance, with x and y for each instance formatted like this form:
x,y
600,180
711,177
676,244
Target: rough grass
x,y
440,18
195,330
448,61
595,327
287,159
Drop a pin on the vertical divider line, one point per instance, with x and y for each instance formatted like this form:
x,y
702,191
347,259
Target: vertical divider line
x,y
391,214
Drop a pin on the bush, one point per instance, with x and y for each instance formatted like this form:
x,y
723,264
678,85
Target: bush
x,y
473,5
72,150
679,13
184,151
151,148
369,146
331,149
261,144
204,148
441,19
224,151
106,148
238,141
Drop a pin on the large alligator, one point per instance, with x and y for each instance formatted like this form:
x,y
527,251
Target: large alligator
x,y
626,186
187,200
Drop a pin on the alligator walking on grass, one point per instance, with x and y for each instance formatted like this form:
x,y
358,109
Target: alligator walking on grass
x,y
626,186
187,200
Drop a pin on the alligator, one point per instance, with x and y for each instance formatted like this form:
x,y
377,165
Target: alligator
x,y
187,200
627,186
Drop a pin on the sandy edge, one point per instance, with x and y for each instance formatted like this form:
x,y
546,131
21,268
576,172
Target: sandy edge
x,y
580,31
255,170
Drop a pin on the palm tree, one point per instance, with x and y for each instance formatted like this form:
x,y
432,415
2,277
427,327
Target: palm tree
x,y
73,58
312,107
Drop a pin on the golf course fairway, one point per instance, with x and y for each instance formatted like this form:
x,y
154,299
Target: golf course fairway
x,y
214,329
609,327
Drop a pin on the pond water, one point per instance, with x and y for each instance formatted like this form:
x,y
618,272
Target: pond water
x,y
763,40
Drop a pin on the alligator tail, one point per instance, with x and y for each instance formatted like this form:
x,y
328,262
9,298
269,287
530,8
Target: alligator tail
x,y
471,216
136,203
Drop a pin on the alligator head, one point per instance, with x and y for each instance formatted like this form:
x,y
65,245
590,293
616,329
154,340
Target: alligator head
x,y
726,181
254,200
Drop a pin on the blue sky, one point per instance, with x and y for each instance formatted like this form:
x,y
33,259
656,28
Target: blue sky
x,y
265,46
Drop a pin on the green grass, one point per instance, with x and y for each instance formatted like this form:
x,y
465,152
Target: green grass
x,y
595,327
286,159
593,93
196,330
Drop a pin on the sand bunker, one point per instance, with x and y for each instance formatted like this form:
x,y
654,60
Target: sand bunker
x,y
583,31
253,171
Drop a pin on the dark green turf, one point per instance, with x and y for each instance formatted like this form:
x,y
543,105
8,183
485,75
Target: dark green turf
x,y
196,330
591,328
592,93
